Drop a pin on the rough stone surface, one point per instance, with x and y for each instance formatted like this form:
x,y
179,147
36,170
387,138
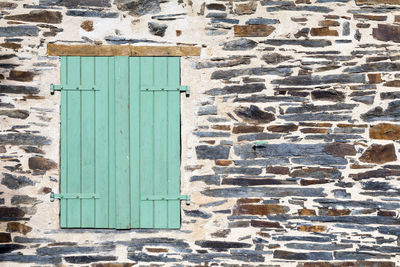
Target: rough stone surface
x,y
157,29
39,163
13,31
385,131
38,16
259,30
379,154
289,144
254,115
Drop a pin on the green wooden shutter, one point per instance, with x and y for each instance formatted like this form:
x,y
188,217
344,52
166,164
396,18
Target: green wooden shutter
x,y
120,142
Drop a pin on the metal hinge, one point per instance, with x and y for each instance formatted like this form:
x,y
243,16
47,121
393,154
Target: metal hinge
x,y
159,197
182,88
53,196
58,87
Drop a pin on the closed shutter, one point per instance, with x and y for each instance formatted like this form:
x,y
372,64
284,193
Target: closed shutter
x,y
120,142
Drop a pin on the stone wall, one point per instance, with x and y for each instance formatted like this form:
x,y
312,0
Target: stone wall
x,y
290,138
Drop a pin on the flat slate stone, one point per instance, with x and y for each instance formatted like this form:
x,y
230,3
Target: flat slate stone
x,y
259,30
318,80
76,3
239,44
52,17
235,192
21,30
92,14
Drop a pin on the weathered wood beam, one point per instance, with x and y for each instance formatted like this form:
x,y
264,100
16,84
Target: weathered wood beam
x,y
121,50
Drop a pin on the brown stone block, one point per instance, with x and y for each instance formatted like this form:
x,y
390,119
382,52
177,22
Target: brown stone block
x,y
5,237
328,23
221,127
334,212
11,212
266,209
266,224
323,31
377,2
18,227
374,78
257,30
278,170
298,19
385,131
38,163
370,17
386,33
363,25
283,128
314,130
87,25
388,213
247,129
344,125
314,124
306,212
340,149
14,46
306,182
379,154
248,200
38,16
312,228
394,83
246,9
223,162
121,50
358,166
263,234
21,76
157,250
3,149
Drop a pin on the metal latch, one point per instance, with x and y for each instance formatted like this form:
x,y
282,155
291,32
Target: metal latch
x,y
159,197
58,87
183,88
53,196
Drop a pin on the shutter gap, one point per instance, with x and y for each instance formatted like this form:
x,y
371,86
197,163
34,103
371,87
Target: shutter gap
x,y
80,147
94,147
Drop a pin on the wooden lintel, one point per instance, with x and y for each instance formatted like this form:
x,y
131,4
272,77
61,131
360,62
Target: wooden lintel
x,y
121,50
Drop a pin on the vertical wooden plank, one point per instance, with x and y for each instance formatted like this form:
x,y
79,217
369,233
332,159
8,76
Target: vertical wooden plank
x,y
134,116
160,141
146,143
122,142
88,140
101,142
64,144
74,143
111,142
174,143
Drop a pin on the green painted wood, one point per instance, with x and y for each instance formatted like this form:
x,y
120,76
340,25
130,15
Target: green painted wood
x,y
160,141
122,151
173,143
120,142
146,144
63,144
134,124
74,143
111,144
88,152
101,122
